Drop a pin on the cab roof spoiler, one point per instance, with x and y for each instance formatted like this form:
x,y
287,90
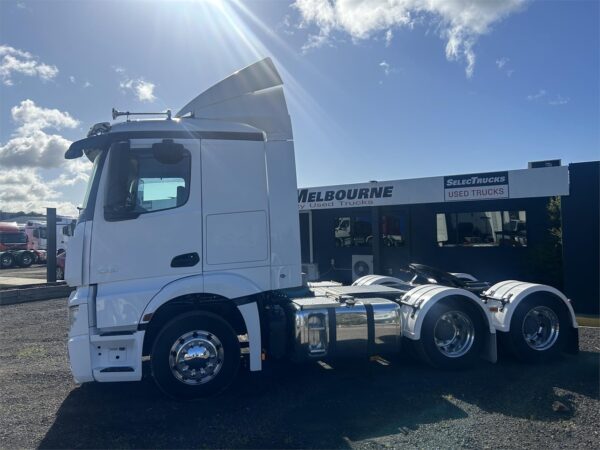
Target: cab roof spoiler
x,y
252,95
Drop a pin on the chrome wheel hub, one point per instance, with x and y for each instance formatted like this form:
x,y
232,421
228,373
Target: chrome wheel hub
x,y
541,328
454,334
196,357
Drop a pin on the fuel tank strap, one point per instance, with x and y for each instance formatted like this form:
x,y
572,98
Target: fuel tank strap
x,y
370,329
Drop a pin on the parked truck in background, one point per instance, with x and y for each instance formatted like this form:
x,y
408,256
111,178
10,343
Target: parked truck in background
x,y
187,253
37,234
13,247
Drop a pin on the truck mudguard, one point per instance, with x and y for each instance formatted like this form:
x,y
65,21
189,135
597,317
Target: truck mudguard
x,y
228,285
511,293
417,302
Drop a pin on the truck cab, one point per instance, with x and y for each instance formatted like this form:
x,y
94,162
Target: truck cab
x,y
196,209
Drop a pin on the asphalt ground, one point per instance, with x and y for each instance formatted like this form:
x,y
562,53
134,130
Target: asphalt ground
x,y
17,276
354,404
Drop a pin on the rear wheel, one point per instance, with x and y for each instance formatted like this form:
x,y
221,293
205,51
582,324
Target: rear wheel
x,y
538,329
195,355
6,260
451,336
26,259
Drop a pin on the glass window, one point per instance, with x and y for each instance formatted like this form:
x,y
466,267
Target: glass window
x,y
353,231
482,229
13,238
393,230
155,179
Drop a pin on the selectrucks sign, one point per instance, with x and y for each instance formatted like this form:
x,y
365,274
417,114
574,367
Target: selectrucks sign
x,y
483,186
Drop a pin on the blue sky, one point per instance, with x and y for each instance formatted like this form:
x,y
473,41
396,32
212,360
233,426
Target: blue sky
x,y
376,90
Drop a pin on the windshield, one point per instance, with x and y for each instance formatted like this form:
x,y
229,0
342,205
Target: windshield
x,y
13,238
87,206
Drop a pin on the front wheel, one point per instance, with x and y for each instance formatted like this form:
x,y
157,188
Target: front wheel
x,y
538,329
451,336
6,260
195,355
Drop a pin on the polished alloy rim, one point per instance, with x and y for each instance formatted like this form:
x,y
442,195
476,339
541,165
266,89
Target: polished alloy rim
x,y
196,357
541,328
454,334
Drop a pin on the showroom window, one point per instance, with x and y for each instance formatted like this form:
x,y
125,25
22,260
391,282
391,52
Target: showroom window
x,y
482,229
393,229
353,231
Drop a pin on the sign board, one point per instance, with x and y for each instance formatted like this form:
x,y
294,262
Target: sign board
x,y
482,186
524,183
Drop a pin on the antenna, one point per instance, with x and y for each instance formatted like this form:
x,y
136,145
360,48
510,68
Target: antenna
x,y
116,113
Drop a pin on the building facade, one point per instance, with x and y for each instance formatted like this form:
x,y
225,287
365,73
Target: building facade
x,y
496,226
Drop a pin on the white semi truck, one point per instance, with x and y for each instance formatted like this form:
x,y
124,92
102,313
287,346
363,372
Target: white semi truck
x,y
194,303
37,234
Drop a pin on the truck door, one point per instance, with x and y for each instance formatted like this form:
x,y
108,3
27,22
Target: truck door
x,y
147,225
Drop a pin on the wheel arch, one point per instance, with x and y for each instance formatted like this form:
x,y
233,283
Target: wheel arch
x,y
513,293
230,296
418,302
195,302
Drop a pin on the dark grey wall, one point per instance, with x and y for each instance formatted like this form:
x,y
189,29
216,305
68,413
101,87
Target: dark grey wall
x,y
581,230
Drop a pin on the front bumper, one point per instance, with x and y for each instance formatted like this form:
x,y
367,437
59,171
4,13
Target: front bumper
x,y
98,356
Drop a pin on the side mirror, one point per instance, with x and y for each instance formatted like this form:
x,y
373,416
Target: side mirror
x,y
117,191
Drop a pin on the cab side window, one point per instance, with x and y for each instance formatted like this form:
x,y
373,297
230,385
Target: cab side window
x,y
146,180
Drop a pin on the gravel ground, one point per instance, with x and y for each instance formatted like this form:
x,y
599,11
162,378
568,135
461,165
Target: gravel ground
x,y
354,404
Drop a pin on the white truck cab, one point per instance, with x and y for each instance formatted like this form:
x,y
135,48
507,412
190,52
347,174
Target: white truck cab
x,y
187,252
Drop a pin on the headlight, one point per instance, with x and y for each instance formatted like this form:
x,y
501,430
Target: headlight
x,y
73,311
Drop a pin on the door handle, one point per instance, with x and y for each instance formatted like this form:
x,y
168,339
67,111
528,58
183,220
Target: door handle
x,y
185,260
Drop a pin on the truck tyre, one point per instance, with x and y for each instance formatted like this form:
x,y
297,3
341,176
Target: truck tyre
x,y
451,336
538,329
195,355
6,260
26,259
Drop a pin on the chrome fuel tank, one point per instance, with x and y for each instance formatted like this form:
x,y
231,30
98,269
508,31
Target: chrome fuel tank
x,y
344,327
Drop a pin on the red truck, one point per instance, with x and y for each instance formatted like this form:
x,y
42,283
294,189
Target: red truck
x,y
13,247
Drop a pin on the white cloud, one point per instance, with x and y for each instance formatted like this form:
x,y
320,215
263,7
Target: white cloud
x,y
541,93
24,190
559,100
502,62
386,67
31,150
389,35
503,65
459,22
143,90
87,84
556,100
15,61
72,79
